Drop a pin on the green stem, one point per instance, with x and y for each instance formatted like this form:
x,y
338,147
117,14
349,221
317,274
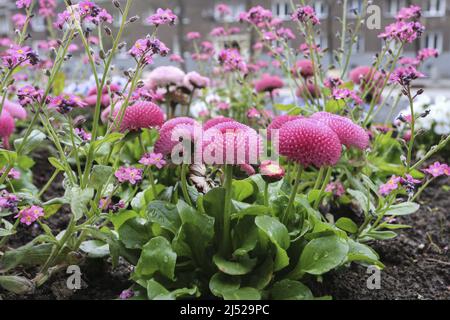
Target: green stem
x,y
319,179
322,190
413,135
432,152
266,194
48,184
90,157
421,189
287,213
59,247
184,184
226,236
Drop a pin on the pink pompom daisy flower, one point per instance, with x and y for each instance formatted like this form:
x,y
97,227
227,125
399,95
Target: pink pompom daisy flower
x,y
268,83
304,68
310,142
142,115
350,134
7,127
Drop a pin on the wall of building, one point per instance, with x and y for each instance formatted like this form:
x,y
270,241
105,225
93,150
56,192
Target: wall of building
x,y
198,15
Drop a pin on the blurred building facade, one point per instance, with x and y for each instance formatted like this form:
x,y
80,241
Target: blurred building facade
x,y
201,16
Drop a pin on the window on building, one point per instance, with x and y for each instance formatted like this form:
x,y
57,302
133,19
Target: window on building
x,y
235,8
394,6
4,23
321,8
433,40
435,8
282,9
355,6
38,23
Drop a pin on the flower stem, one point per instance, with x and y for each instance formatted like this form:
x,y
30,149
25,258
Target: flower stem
x,y
322,190
59,247
266,194
48,184
287,213
184,184
226,236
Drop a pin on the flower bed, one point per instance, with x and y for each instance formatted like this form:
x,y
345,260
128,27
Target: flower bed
x,y
200,185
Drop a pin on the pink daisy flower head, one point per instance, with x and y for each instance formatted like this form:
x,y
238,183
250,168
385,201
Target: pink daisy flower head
x,y
231,143
15,110
218,32
165,76
365,75
304,68
437,169
129,174
215,121
271,171
305,14
195,80
30,215
223,9
310,142
176,58
393,184
193,35
7,127
142,115
173,132
350,134
153,159
253,113
268,83
161,17
223,106
278,122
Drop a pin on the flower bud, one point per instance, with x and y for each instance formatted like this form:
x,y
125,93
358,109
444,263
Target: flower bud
x,y
271,171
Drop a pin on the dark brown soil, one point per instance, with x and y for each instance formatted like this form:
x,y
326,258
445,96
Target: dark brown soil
x,y
417,261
